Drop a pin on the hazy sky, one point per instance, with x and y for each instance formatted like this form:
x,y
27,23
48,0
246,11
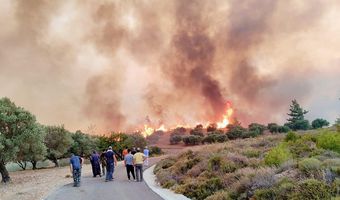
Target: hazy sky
x,y
114,65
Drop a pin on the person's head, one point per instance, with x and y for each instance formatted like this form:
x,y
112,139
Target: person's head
x,y
138,149
129,150
94,152
146,147
110,147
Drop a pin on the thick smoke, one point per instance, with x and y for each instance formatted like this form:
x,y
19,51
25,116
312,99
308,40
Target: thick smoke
x,y
115,65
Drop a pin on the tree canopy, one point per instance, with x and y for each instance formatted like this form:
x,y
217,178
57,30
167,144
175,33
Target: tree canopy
x,y
296,120
14,121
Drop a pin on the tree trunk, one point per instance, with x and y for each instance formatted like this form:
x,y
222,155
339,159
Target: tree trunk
x,y
4,172
22,164
34,164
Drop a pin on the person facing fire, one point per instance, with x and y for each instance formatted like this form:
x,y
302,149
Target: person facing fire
x,y
103,161
128,161
138,160
75,168
111,162
95,163
146,154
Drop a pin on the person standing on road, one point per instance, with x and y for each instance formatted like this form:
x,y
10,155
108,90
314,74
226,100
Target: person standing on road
x,y
111,162
128,161
138,160
95,163
146,154
133,151
75,168
103,161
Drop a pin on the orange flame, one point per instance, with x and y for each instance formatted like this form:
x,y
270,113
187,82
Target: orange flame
x,y
226,117
147,131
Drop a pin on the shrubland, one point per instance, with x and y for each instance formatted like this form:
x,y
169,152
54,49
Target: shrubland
x,y
296,165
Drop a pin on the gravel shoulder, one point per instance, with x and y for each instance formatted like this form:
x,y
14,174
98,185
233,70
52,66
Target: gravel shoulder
x,y
36,184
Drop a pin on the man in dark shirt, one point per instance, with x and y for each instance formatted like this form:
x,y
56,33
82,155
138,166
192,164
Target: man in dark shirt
x,y
75,167
111,162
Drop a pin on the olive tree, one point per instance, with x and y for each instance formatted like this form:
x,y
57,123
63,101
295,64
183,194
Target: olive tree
x,y
14,121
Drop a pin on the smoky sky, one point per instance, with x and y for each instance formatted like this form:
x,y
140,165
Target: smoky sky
x,y
116,65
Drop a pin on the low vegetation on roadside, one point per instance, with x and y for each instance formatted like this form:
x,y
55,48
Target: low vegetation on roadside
x,y
285,166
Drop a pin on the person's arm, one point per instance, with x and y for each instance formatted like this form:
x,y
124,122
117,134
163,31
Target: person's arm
x,y
82,161
124,160
133,160
71,169
115,159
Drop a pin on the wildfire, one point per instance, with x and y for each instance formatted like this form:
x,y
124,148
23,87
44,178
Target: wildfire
x,y
226,116
148,130
161,128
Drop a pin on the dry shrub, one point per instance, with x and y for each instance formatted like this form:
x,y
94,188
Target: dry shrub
x,y
220,195
238,159
263,178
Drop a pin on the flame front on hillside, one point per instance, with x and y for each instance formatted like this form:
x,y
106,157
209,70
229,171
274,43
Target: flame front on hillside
x,y
148,130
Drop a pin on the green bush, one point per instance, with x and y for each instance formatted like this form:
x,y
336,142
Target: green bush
x,y
265,194
203,188
335,187
277,155
283,129
175,139
291,136
215,163
319,123
211,138
221,138
155,150
252,153
192,140
304,147
311,189
236,131
309,166
164,164
329,140
256,128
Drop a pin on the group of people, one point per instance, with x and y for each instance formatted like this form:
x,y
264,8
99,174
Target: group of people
x,y
105,163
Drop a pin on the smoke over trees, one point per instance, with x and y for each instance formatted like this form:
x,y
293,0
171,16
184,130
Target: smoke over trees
x,y
112,63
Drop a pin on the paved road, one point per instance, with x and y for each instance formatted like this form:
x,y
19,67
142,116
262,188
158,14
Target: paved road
x,y
98,189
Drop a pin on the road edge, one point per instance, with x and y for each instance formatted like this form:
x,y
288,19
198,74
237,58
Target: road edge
x,y
166,194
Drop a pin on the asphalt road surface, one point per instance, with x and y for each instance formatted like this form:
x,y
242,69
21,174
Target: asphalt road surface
x,y
97,189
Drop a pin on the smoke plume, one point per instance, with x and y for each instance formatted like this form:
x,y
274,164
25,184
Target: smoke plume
x,y
116,65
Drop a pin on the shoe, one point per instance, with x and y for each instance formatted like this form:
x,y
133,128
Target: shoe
x,y
106,180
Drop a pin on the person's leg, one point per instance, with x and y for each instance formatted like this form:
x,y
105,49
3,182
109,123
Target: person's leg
x,y
79,175
107,172
74,177
141,173
93,169
104,169
128,171
133,172
111,171
137,174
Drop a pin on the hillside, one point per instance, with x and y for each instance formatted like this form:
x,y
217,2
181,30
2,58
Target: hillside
x,y
284,166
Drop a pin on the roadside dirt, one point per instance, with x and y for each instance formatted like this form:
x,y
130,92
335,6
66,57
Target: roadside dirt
x,y
36,184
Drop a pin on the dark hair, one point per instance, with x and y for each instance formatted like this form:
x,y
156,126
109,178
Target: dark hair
x,y
129,150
